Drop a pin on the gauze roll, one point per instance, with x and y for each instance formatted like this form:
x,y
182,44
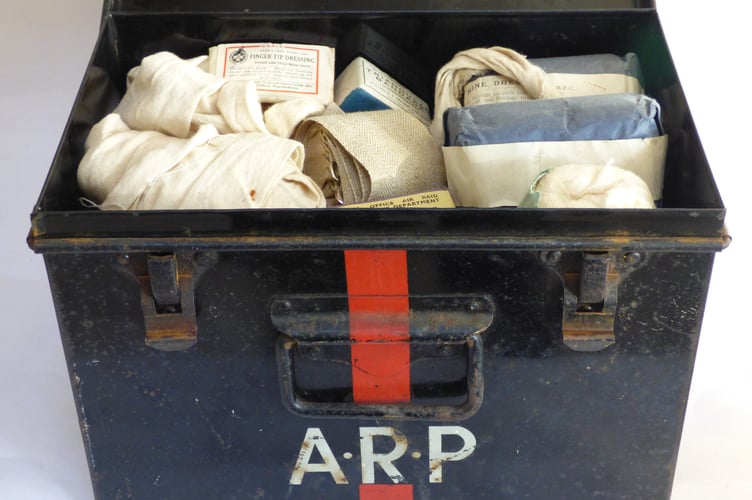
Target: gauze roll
x,y
371,155
175,96
588,186
283,118
141,170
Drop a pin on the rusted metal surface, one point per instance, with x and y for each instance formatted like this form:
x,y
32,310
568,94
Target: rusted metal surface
x,y
167,282
432,317
442,408
590,288
441,328
712,243
221,400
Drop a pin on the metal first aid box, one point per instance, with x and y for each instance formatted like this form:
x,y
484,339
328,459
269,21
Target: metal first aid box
x,y
381,353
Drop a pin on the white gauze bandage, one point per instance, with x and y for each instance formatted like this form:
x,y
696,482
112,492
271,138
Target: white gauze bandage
x,y
146,170
588,186
453,76
176,96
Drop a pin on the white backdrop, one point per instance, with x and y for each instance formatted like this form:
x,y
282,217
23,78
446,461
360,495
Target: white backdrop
x,y
46,46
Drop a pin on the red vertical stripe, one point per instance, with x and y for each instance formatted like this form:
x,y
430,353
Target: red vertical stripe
x,y
379,325
386,492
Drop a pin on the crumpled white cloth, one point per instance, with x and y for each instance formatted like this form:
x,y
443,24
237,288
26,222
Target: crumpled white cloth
x,y
588,186
176,96
283,118
183,138
454,75
146,170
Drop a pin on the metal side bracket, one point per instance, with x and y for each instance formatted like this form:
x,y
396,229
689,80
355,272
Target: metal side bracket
x,y
590,283
167,281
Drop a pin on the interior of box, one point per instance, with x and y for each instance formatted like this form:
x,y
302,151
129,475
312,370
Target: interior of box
x,y
433,37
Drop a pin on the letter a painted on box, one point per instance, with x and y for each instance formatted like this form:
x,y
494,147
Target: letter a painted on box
x,y
314,439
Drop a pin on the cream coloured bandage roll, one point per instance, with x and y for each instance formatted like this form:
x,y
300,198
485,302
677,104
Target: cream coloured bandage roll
x,y
175,96
371,155
283,118
141,170
588,186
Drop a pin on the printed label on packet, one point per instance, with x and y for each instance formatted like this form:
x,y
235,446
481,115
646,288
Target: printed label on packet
x,y
429,199
280,71
495,88
394,93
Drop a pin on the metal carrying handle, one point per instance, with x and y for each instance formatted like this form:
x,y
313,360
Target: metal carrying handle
x,y
318,369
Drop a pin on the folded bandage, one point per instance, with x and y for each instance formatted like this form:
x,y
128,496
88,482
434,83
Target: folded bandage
x,y
183,138
147,170
175,96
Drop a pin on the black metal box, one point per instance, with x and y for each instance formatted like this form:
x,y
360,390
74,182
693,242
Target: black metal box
x,y
245,354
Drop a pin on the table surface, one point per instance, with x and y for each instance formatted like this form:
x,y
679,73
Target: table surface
x,y
49,44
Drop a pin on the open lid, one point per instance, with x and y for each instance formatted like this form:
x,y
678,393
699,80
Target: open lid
x,y
308,6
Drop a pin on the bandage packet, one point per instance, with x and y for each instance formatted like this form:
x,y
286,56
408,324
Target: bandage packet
x,y
281,71
571,76
599,117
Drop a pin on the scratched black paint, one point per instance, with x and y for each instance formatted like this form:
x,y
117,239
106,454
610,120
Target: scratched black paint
x,y
211,421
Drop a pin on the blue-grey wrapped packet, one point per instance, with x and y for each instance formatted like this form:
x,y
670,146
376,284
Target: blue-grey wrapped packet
x,y
495,151
598,117
592,64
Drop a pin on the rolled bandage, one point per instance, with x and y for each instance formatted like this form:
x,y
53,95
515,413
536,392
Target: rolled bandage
x,y
372,155
283,118
588,186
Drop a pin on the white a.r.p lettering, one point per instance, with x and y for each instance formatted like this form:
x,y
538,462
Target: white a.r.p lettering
x,y
437,456
442,449
368,458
